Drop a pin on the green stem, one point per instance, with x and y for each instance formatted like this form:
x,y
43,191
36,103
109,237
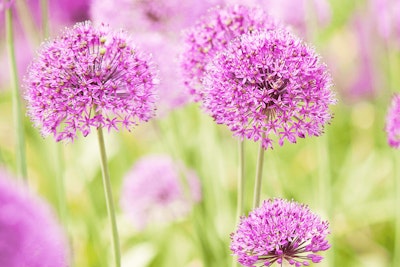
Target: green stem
x,y
19,127
45,17
396,258
240,190
323,186
240,182
257,184
27,22
109,197
59,170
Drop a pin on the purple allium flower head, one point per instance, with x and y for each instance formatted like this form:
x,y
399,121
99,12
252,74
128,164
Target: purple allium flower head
x,y
157,188
211,34
393,122
269,82
279,231
89,77
29,233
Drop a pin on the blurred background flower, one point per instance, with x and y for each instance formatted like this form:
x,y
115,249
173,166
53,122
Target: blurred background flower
x,y
158,190
27,22
30,234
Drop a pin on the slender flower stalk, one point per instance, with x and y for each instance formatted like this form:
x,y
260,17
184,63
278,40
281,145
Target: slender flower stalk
x,y
393,137
57,149
17,109
396,258
59,176
258,180
323,185
109,197
240,190
44,7
240,182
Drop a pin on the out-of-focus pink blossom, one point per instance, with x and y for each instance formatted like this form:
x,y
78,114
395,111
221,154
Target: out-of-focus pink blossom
x,y
298,13
159,189
171,91
30,235
386,15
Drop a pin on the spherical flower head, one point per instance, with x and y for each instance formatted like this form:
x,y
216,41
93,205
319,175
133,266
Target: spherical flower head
x,y
393,122
29,233
268,82
279,231
89,77
211,34
159,189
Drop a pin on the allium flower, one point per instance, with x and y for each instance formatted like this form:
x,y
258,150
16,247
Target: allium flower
x,y
157,188
269,82
29,233
89,77
279,231
393,122
212,34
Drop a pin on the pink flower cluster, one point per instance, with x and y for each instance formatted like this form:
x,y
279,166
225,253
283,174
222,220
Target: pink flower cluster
x,y
269,82
279,231
29,233
89,77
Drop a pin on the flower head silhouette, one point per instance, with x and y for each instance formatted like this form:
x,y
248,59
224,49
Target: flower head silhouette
x,y
89,77
269,82
29,232
278,231
154,189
